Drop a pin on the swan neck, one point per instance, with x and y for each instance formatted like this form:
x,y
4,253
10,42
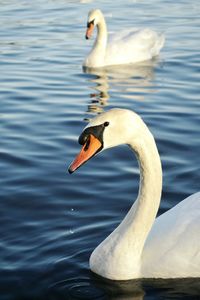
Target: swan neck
x,y
143,212
101,40
119,256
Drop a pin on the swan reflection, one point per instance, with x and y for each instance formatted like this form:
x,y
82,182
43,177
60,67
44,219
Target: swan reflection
x,y
92,286
131,81
119,290
137,289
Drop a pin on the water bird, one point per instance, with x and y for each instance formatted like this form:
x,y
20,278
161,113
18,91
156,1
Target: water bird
x,y
142,246
124,47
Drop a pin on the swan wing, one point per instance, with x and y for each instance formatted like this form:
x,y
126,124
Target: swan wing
x,y
172,248
130,46
122,34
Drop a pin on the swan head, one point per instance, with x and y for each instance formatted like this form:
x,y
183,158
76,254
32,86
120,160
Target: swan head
x,y
94,17
109,129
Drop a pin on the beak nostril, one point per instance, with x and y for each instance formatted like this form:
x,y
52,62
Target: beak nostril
x,y
87,144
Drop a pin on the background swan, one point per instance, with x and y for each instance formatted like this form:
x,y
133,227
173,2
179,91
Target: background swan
x,y
128,46
135,249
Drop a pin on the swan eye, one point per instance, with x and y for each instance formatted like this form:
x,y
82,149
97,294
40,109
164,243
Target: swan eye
x,y
83,139
96,131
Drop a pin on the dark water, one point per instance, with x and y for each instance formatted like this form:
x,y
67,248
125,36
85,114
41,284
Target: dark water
x,y
50,221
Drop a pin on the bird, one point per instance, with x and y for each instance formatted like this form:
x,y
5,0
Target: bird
x,y
127,46
142,246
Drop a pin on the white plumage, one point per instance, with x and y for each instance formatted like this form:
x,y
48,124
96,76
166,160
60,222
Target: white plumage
x,y
124,47
142,246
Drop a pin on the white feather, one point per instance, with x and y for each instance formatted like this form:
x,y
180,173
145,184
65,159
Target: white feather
x,y
127,46
142,246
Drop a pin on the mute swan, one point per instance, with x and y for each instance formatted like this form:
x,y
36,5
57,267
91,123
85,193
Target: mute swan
x,y
140,247
129,46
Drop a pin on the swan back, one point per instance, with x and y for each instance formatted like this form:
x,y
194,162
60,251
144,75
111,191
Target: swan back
x,y
174,238
139,45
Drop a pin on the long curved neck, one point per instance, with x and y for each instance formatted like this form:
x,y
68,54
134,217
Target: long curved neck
x,y
101,39
133,231
143,212
119,255
102,32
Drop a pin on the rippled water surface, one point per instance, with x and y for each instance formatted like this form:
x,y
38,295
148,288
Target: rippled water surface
x,y
50,221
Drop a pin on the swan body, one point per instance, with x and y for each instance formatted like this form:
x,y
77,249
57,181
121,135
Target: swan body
x,y
142,246
125,47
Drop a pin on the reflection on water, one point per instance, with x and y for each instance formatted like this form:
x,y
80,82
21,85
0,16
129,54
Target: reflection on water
x,y
120,290
100,96
51,222
133,80
97,287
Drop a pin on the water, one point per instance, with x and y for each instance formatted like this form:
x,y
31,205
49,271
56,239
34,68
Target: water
x,y
50,221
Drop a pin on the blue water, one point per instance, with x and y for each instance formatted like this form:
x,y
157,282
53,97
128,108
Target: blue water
x,y
50,221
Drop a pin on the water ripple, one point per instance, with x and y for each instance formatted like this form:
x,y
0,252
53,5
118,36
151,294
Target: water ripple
x,y
49,221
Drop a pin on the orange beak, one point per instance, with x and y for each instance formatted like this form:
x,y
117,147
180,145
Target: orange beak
x,y
89,31
91,146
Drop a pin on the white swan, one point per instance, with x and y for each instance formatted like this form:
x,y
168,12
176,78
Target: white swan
x,y
129,46
140,247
